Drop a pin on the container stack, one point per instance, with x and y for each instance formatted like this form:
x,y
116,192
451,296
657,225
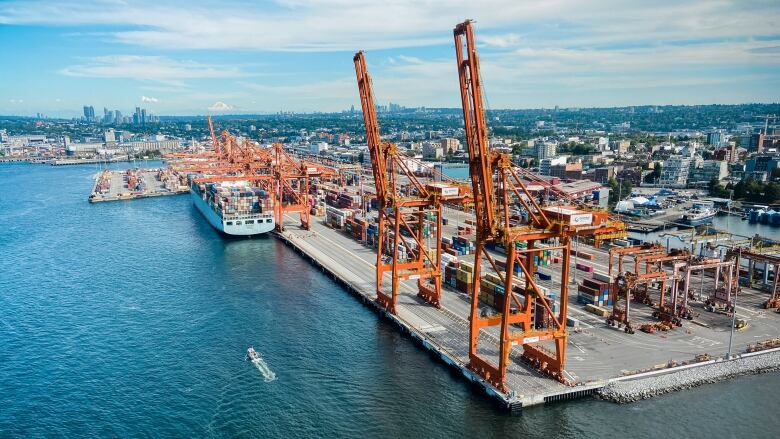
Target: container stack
x,y
492,291
135,182
347,201
451,273
337,218
583,267
594,291
465,230
464,277
372,231
542,319
457,246
355,227
236,200
103,184
331,198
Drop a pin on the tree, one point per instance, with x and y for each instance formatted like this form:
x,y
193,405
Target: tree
x,y
618,190
655,175
771,192
717,189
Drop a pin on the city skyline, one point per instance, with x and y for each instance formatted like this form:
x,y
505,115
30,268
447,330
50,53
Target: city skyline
x,y
296,56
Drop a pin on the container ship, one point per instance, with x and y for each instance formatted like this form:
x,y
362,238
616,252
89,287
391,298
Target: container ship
x,y
698,215
234,208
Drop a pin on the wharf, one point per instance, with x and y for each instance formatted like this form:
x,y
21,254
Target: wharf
x,y
68,162
118,189
598,354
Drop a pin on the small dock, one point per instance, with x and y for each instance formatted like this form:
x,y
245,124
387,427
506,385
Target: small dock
x,y
118,185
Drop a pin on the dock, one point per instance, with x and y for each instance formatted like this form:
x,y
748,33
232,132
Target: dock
x,y
112,185
598,353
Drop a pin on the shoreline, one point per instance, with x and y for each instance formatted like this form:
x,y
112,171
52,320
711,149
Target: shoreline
x,y
634,388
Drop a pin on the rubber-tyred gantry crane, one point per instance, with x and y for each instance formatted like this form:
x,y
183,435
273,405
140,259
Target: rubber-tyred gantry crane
x,y
635,251
403,205
498,191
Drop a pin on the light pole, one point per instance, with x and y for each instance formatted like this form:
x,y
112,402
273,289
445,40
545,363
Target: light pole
x,y
734,313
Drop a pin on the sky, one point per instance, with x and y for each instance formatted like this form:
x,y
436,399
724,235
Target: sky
x,y
243,56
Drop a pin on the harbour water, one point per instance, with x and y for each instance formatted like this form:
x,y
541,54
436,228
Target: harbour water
x,y
133,318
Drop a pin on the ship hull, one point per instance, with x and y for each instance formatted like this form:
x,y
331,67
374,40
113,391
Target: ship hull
x,y
248,225
697,221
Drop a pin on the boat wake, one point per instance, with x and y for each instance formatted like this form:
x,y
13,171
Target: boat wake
x,y
262,366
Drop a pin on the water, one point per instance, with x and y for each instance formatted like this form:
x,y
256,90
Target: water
x,y
732,224
132,319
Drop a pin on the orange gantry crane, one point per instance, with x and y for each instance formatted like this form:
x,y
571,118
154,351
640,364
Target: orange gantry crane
x,y
403,205
621,292
272,169
769,261
498,192
622,252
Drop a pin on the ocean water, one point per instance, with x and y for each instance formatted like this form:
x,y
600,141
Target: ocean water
x,y
132,319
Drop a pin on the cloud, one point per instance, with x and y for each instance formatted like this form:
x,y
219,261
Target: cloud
x,y
149,68
220,106
502,41
149,99
335,25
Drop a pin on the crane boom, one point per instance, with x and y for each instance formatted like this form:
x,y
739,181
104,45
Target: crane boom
x,y
480,163
375,147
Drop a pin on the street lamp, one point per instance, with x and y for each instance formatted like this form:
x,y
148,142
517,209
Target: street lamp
x,y
734,313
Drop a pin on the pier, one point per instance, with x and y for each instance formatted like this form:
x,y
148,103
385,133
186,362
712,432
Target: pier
x,y
112,185
599,354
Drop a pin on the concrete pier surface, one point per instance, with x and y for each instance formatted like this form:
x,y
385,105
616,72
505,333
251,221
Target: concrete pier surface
x,y
596,354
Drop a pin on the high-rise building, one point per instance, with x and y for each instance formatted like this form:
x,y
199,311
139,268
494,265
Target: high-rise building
x,y
118,117
89,113
143,116
137,116
108,116
716,138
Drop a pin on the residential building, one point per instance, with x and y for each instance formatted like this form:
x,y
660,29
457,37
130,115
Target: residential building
x,y
603,174
708,170
318,147
631,175
432,150
674,171
567,171
546,164
716,138
762,163
754,142
544,149
620,146
450,145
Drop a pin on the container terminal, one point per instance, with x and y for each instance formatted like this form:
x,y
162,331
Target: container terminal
x,y
531,295
114,185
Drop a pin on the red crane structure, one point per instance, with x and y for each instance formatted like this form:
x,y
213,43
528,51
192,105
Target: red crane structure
x,y
403,205
768,260
498,193
622,252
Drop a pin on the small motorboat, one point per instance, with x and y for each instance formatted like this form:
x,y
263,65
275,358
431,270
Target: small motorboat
x,y
251,354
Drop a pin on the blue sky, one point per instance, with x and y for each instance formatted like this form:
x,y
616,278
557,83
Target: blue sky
x,y
296,55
